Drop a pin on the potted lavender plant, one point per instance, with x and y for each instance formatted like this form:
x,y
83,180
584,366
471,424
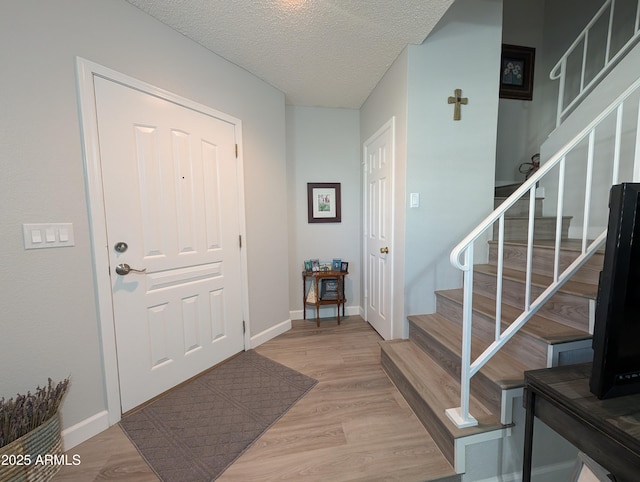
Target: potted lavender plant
x,y
30,433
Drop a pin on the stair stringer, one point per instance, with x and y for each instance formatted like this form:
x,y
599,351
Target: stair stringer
x,y
506,407
461,444
581,348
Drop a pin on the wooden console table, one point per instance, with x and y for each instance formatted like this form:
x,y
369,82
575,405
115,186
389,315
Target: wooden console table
x,y
608,431
316,277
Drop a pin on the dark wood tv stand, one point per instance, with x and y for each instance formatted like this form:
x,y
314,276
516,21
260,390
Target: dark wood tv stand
x,y
608,431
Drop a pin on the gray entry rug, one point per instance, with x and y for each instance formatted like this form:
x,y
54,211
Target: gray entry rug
x,y
196,431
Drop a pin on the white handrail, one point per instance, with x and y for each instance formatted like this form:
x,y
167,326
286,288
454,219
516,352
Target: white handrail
x,y
461,415
559,71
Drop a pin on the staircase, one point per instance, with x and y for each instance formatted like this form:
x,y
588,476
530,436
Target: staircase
x,y
463,365
426,367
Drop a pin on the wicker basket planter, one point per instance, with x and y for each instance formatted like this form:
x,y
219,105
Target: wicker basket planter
x,y
30,441
32,457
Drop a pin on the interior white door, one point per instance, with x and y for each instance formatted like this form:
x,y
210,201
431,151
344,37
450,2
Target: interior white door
x,y
378,151
171,200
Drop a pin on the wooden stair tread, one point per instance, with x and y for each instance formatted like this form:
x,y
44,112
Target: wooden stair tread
x,y
437,388
502,369
539,327
577,288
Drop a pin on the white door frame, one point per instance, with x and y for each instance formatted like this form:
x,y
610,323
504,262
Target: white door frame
x,y
390,125
85,71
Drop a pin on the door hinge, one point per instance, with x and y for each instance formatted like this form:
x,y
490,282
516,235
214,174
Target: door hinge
x,y
244,327
236,151
240,240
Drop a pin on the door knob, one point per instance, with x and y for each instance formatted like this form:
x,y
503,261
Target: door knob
x,y
384,250
124,269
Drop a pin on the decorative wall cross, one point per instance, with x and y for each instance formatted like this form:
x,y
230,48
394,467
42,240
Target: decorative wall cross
x,y
458,100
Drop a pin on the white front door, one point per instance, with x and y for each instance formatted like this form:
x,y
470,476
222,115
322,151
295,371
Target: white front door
x,y
171,201
378,167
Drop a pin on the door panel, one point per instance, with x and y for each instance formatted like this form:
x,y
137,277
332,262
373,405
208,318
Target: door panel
x,y
379,171
171,194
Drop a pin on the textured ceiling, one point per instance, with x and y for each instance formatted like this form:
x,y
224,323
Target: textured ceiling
x,y
328,53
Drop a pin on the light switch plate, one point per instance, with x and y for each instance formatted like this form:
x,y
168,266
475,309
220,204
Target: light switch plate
x,y
414,200
47,235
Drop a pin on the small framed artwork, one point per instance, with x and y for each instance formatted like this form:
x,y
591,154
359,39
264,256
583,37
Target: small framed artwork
x,y
516,72
329,289
335,265
315,265
344,267
307,266
323,202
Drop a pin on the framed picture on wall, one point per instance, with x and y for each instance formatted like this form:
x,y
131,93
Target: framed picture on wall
x,y
323,202
516,72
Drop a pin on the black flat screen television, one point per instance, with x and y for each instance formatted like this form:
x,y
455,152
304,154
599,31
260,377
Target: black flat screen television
x,y
616,337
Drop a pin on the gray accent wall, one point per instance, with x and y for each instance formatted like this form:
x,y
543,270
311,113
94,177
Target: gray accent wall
x,y
322,146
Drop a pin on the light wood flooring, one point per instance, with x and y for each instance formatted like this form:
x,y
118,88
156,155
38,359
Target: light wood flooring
x,y
353,425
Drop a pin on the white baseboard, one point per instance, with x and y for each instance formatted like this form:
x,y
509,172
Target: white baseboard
x,y
270,333
325,312
78,433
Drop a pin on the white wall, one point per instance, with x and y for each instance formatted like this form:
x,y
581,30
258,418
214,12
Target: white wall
x,y
322,146
387,100
49,323
550,27
620,78
560,29
519,135
563,22
450,163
